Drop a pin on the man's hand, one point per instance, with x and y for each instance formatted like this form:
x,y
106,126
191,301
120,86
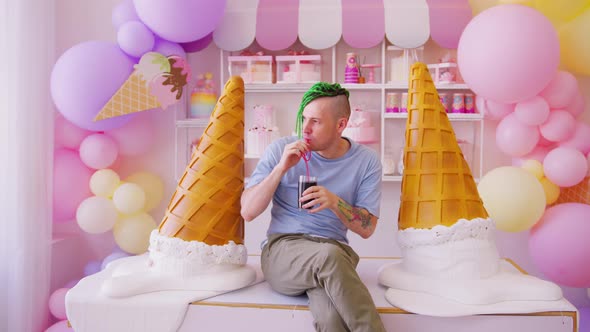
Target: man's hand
x,y
318,195
291,155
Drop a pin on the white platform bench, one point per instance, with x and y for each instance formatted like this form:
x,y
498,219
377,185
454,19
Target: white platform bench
x,y
259,308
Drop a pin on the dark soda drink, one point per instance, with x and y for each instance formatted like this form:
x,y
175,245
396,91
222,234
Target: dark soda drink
x,y
304,183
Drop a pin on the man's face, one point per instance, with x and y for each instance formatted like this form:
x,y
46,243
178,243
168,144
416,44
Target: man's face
x,y
320,124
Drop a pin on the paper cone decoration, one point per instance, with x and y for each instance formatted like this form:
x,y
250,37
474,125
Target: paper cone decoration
x,y
206,204
437,185
579,193
133,96
157,81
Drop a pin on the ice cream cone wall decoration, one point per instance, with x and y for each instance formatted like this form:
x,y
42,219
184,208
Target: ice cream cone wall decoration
x,y
157,81
206,204
437,185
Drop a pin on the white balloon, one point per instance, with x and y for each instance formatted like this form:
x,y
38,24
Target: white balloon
x,y
129,198
96,215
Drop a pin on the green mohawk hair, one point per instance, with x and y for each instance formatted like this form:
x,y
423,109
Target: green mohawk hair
x,y
318,90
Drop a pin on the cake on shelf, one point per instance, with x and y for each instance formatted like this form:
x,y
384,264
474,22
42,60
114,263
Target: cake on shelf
x,y
360,126
450,265
203,97
298,68
252,67
263,131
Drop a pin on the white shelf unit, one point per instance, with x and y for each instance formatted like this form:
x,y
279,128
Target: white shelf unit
x,y
285,98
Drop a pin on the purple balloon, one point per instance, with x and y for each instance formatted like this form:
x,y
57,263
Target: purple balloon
x,y
181,21
135,38
167,48
198,45
112,257
92,267
83,80
584,319
124,12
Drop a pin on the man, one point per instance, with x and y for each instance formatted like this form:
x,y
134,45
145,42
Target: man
x,y
307,249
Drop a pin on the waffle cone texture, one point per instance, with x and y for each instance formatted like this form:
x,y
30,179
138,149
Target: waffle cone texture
x,y
133,96
437,184
206,204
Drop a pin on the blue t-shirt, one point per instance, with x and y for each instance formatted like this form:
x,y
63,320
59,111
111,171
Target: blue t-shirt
x,y
355,177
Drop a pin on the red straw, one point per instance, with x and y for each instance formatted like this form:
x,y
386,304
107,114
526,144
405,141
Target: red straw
x,y
307,158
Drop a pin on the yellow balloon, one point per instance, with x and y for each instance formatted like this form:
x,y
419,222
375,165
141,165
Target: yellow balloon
x,y
152,186
478,6
561,11
104,182
534,167
129,198
551,190
575,44
513,197
132,234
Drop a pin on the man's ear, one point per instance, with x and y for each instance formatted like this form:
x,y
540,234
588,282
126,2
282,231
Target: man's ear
x,y
342,123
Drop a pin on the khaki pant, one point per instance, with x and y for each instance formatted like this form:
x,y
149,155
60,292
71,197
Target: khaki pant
x,y
325,270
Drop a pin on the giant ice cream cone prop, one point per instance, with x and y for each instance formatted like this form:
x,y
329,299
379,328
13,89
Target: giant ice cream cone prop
x,y
450,265
206,204
199,244
437,185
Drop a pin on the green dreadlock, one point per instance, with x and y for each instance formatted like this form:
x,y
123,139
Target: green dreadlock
x,y
318,90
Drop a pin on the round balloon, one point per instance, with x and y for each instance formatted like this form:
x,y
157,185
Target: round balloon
x,y
136,137
580,140
168,48
61,326
508,53
515,138
559,244
57,303
98,151
83,80
70,184
575,44
577,106
552,190
67,134
532,112
197,45
559,126
129,198
92,267
135,38
132,234
181,21
112,257
561,91
96,215
513,197
152,186
123,13
104,182
565,167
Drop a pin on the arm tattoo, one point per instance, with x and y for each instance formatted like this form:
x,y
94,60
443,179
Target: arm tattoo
x,y
353,214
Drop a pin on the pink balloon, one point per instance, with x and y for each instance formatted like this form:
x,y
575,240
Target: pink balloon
x,y
508,53
538,153
559,126
57,303
559,246
61,326
67,134
491,109
514,138
181,21
565,167
580,140
532,112
123,13
83,80
168,48
98,151
577,106
70,184
197,45
135,138
561,90
135,38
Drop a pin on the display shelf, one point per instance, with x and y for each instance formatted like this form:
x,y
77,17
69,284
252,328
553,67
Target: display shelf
x,y
192,123
452,116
